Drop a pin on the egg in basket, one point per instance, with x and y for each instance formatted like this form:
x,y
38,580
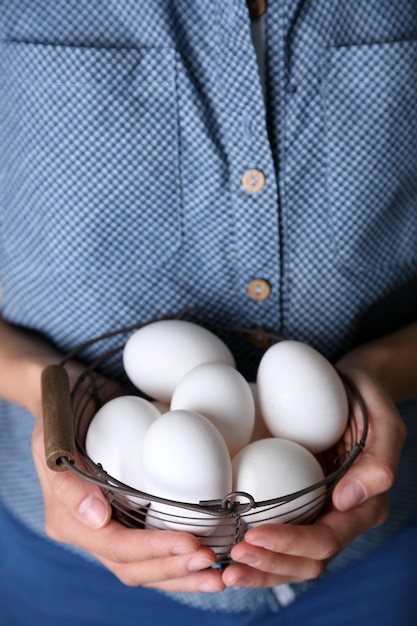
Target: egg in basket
x,y
192,445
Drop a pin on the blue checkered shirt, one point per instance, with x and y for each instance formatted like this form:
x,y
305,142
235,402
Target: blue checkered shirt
x,y
141,172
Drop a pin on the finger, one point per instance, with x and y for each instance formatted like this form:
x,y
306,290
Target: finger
x,y
313,542
262,568
116,543
278,554
136,556
85,501
374,471
113,544
345,526
299,554
242,576
126,545
302,551
207,581
321,540
159,571
274,554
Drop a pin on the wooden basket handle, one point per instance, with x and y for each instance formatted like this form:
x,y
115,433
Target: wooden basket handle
x,y
58,421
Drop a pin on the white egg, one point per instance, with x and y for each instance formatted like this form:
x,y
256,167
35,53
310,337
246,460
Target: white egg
x,y
154,521
185,459
159,354
301,396
115,436
273,468
220,393
170,517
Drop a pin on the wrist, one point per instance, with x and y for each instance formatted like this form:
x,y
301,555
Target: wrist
x,y
391,361
23,356
28,394
369,358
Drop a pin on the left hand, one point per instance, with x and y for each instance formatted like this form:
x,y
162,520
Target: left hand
x,y
274,554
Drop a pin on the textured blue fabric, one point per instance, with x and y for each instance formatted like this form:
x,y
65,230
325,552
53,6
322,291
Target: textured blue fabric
x,y
115,113
86,595
125,129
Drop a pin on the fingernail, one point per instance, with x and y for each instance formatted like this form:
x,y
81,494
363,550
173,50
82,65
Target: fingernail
x,y
260,543
197,563
210,587
239,583
352,495
249,559
178,550
93,512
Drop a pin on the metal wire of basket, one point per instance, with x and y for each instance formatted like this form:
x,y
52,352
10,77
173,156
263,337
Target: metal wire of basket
x,y
222,522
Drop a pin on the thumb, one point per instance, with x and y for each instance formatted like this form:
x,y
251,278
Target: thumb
x,y
373,473
84,501
66,491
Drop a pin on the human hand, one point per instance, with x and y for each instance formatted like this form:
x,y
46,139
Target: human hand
x,y
273,554
77,513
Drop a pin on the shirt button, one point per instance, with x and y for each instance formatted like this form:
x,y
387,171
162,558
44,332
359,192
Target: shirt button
x,y
259,289
259,338
256,8
253,180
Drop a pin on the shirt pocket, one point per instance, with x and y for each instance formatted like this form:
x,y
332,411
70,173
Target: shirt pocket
x,y
370,102
93,150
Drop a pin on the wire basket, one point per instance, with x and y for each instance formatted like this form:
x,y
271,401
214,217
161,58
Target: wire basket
x,y
220,523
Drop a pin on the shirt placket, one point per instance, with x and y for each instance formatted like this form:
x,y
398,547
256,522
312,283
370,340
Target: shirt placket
x,y
252,179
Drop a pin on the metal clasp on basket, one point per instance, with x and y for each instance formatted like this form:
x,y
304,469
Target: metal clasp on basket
x,y
229,504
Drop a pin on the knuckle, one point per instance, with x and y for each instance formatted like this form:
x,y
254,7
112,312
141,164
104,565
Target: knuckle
x,y
53,532
59,484
315,569
382,512
127,578
385,476
113,555
383,516
331,549
329,545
